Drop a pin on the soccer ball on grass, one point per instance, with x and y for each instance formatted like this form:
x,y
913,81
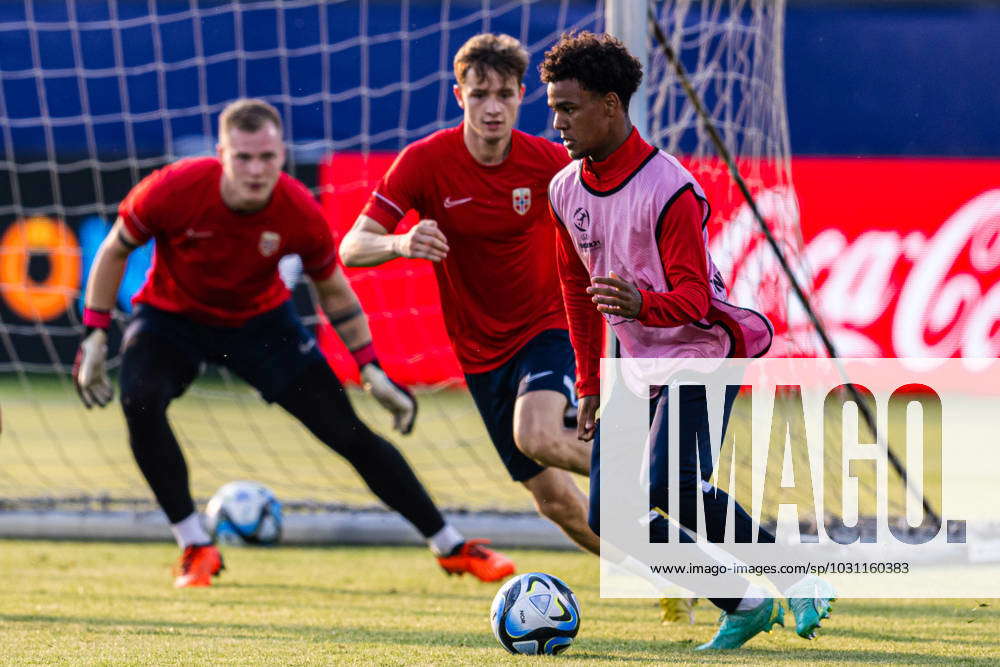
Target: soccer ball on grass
x,y
535,613
244,513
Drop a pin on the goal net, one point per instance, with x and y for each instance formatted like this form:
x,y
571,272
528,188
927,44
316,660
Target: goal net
x,y
732,53
95,95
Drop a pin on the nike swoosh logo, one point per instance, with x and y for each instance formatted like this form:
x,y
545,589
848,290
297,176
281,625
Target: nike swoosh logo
x,y
449,202
194,234
531,377
308,345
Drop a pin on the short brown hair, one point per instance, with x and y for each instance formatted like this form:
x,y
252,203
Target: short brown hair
x,y
500,53
600,63
249,115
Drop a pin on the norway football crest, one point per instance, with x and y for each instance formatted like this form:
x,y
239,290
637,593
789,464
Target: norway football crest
x,y
269,243
522,200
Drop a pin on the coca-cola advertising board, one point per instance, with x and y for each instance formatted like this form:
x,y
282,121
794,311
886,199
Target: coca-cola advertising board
x,y
900,256
905,253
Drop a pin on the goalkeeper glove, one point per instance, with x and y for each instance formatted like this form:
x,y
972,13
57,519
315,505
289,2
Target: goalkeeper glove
x,y
89,373
394,397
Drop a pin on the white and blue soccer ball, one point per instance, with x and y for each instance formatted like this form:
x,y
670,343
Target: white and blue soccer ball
x,y
534,614
244,513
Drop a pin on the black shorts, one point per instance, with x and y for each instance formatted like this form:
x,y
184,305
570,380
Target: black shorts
x,y
269,351
545,362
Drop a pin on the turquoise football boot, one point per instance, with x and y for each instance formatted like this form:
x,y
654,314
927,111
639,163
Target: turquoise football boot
x,y
738,627
810,601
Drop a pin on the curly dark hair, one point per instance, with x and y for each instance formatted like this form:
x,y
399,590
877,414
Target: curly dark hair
x,y
601,64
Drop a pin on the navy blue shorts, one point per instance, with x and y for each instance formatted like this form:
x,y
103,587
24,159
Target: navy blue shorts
x,y
545,362
694,452
269,351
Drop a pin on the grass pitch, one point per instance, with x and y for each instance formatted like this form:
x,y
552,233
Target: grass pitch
x,y
51,447
101,603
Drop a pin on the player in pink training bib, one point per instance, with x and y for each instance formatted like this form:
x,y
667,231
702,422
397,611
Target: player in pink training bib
x,y
633,249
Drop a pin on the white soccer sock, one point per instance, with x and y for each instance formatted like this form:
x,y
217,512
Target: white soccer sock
x,y
190,531
445,540
752,599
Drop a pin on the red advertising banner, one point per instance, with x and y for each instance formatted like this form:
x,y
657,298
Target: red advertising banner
x,y
400,297
902,257
905,253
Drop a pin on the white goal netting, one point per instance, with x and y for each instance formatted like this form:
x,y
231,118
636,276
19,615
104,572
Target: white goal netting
x,y
733,54
94,95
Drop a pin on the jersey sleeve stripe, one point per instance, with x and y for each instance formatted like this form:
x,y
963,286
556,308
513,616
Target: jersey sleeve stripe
x,y
125,242
138,224
388,201
323,269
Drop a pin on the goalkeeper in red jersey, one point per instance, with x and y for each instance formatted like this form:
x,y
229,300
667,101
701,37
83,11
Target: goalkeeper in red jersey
x,y
214,294
481,191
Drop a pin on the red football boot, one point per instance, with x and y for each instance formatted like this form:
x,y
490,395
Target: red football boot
x,y
198,564
471,556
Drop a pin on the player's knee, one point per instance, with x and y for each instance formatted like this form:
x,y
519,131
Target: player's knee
x,y
143,400
533,439
352,439
561,507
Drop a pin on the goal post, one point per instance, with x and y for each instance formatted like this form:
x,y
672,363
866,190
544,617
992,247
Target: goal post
x,y
715,98
629,22
102,93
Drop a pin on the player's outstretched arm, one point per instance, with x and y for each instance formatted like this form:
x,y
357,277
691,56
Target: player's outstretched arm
x,y
343,309
369,243
89,373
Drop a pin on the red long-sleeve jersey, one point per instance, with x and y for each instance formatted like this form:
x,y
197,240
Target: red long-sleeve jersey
x,y
681,246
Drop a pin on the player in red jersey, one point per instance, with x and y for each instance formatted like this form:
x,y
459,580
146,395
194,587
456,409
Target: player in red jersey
x,y
481,192
214,294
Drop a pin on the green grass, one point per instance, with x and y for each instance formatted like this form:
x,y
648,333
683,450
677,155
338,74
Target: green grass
x,y
52,446
99,603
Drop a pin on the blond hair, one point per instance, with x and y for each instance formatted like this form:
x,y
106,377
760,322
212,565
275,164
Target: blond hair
x,y
248,115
